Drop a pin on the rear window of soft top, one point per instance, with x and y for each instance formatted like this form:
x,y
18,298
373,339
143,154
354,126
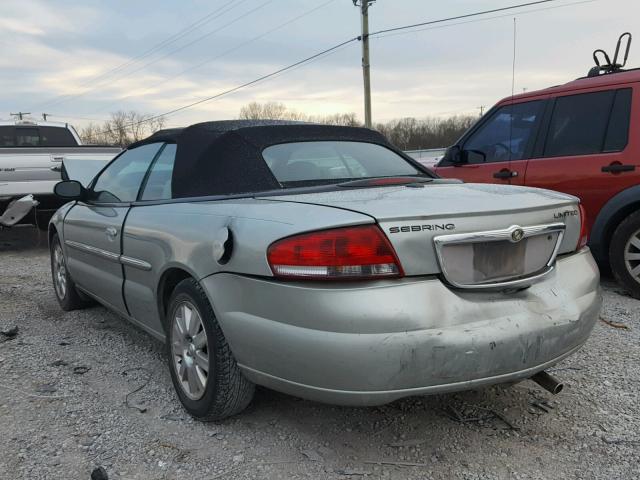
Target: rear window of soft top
x,y
327,162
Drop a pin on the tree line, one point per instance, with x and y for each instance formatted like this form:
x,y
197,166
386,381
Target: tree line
x,y
407,133
122,129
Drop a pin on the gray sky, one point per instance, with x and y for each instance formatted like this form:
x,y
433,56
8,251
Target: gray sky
x,y
53,50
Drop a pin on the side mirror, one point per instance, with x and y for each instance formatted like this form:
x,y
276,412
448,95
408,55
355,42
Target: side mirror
x,y
474,156
453,154
70,190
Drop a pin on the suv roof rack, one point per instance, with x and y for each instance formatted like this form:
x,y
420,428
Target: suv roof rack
x,y
608,66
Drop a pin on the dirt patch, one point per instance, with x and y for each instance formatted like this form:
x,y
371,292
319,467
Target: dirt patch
x,y
56,422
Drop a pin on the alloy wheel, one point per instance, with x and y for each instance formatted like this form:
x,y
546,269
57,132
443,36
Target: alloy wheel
x,y
190,350
632,256
59,272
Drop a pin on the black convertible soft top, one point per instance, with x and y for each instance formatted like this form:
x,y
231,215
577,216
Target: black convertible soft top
x,y
225,157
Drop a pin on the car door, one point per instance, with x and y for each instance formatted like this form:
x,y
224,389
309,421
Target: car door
x,y
496,149
92,229
142,248
586,149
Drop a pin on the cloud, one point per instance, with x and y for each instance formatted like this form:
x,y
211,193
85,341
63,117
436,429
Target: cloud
x,y
53,49
19,26
38,18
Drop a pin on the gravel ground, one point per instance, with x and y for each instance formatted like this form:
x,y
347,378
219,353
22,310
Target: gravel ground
x,y
65,377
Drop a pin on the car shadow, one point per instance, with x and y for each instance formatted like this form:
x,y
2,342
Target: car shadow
x,y
22,238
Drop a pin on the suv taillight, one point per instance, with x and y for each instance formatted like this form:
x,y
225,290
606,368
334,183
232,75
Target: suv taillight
x,y
584,237
361,252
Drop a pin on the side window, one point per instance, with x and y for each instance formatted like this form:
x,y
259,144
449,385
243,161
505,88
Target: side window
x,y
618,129
158,184
506,135
120,181
579,124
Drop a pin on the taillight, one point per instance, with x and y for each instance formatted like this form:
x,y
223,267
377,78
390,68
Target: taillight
x,y
584,236
361,252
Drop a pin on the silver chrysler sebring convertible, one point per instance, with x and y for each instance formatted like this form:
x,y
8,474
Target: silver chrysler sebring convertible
x,y
324,263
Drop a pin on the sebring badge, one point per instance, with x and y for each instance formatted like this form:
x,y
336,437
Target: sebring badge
x,y
517,235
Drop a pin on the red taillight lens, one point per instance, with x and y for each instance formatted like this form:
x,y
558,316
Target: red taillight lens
x,y
584,236
341,253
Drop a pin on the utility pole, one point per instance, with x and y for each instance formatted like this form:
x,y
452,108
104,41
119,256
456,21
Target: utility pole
x,y
481,108
20,114
45,115
366,67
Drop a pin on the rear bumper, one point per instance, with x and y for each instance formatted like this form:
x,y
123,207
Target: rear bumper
x,y
369,344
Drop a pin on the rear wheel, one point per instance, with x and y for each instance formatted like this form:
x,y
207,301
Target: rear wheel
x,y
204,372
624,254
68,297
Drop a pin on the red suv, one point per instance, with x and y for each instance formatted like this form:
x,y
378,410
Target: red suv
x,y
581,138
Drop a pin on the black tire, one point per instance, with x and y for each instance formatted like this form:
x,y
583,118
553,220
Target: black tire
x,y
226,392
70,298
624,234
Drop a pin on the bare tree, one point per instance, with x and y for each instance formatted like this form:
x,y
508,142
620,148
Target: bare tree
x,y
431,132
122,128
279,111
345,119
266,111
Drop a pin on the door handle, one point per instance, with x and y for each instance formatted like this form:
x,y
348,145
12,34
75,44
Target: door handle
x,y
617,167
111,232
505,173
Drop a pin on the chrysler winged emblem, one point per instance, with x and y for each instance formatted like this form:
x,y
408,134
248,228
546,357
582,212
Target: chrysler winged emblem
x,y
517,235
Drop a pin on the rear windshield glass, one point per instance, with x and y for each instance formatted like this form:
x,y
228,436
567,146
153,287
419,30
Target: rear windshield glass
x,y
327,162
34,136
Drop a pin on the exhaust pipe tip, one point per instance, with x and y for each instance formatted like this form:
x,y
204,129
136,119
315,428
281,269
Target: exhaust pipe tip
x,y
548,382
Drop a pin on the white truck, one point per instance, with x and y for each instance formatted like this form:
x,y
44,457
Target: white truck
x,y
31,163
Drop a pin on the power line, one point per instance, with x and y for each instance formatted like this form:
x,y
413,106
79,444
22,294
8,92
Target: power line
x,y
198,39
259,79
202,37
170,40
181,34
526,12
459,17
379,36
231,50
329,50
275,74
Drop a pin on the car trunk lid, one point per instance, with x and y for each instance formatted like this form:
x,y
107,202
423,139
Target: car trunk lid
x,y
414,216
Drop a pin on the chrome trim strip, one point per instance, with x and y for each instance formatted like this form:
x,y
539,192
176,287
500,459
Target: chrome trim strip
x,y
498,235
113,257
135,263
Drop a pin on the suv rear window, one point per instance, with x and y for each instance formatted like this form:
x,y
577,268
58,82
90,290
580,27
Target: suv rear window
x,y
33,136
589,123
327,162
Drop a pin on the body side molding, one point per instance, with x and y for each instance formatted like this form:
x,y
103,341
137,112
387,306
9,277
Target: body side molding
x,y
114,257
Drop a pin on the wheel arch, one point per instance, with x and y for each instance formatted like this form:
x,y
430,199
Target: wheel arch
x,y
614,211
169,279
51,232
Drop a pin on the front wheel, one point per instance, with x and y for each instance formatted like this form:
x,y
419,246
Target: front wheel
x,y
68,297
624,254
204,372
